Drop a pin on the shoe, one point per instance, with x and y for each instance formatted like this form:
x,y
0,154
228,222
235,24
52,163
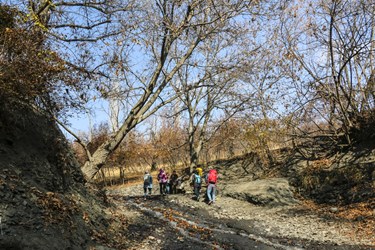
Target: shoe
x,y
210,202
197,198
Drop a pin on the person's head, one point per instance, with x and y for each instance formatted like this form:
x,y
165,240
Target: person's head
x,y
146,172
174,171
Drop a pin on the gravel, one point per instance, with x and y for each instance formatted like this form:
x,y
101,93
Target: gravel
x,y
294,223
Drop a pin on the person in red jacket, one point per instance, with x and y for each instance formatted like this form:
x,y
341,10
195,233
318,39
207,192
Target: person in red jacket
x,y
211,180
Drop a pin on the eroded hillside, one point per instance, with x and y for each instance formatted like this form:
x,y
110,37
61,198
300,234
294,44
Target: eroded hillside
x,y
43,201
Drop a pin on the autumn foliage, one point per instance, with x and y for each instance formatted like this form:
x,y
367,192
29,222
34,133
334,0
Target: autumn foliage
x,y
31,71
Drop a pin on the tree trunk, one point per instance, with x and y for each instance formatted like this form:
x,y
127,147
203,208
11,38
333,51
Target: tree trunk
x,y
122,175
195,154
93,165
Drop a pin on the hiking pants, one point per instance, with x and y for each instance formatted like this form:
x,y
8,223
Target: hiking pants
x,y
173,189
211,192
162,188
147,188
197,190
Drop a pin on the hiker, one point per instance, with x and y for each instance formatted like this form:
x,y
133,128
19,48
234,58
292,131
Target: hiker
x,y
196,182
211,188
173,182
147,184
162,178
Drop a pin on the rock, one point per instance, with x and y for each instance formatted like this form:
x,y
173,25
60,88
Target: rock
x,y
334,209
360,218
173,223
272,191
181,239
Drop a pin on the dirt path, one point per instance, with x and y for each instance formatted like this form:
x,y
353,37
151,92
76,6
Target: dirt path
x,y
161,227
179,222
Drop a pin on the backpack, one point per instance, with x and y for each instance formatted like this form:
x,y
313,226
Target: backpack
x,y
197,179
148,180
212,176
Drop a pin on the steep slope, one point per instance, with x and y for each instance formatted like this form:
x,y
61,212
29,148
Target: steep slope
x,y
43,202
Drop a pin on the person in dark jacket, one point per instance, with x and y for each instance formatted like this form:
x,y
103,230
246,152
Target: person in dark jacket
x,y
173,182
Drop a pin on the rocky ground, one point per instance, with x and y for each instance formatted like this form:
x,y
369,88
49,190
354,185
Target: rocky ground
x,y
180,222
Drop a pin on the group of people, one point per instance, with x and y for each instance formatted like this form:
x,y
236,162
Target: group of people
x,y
167,184
172,184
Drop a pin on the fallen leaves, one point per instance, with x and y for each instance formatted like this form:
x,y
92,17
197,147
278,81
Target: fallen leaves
x,y
192,228
56,207
360,215
85,217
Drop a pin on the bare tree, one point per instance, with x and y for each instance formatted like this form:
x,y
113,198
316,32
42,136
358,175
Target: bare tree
x,y
169,37
146,51
211,92
330,51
